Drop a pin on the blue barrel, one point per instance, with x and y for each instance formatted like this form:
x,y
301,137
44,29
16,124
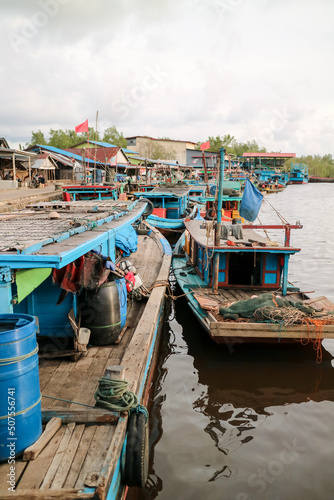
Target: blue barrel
x,y
20,397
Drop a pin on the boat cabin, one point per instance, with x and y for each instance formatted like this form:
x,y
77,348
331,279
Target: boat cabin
x,y
169,200
90,192
245,258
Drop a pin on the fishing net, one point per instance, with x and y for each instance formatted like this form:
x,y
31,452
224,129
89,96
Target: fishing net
x,y
246,308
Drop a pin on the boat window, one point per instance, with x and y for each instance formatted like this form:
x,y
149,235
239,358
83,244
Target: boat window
x,y
244,268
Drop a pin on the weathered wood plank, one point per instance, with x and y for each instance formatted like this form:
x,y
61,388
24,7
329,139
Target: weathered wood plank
x,y
55,383
36,469
96,453
5,470
58,457
80,456
264,330
320,303
73,494
46,371
81,416
50,430
78,375
68,456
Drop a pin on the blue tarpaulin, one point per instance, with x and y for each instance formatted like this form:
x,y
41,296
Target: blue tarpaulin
x,y
251,202
127,240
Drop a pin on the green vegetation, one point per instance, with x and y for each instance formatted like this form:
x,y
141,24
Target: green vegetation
x,y
65,139
232,146
322,166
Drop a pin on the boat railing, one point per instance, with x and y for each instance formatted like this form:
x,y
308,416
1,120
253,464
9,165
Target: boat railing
x,y
287,228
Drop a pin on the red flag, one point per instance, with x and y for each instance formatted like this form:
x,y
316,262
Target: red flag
x,y
205,145
83,127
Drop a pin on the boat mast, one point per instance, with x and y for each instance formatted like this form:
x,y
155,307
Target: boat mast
x,y
218,226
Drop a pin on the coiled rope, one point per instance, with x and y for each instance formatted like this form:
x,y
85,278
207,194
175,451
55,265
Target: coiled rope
x,y
17,359
114,395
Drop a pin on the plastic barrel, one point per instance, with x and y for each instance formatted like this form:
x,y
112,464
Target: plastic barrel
x,y
104,311
20,397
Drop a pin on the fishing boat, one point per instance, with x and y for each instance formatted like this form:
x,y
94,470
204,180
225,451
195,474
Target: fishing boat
x,y
78,192
235,279
170,204
316,178
298,174
88,279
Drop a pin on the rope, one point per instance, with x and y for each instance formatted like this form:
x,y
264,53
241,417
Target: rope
x,y
282,219
318,328
113,395
17,359
284,315
22,411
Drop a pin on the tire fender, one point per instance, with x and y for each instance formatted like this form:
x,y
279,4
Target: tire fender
x,y
137,450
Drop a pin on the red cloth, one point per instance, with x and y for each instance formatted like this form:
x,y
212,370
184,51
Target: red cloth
x,y
205,145
83,127
68,276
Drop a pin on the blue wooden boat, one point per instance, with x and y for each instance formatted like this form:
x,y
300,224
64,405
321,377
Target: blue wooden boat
x,y
50,269
90,192
170,205
227,270
298,174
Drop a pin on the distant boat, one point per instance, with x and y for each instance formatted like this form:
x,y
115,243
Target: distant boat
x,y
170,205
298,174
315,178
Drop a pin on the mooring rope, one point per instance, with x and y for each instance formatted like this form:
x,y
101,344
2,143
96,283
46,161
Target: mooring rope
x,y
114,395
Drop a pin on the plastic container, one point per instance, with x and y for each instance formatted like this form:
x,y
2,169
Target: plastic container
x,y
104,312
160,212
20,397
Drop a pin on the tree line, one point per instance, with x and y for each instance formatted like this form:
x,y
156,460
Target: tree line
x,y
64,139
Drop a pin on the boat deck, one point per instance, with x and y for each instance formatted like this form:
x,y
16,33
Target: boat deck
x,y
57,228
84,452
221,329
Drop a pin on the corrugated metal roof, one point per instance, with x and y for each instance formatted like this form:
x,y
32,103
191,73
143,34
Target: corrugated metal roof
x,y
60,152
98,143
269,155
101,155
129,151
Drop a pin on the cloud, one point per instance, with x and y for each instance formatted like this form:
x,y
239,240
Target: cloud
x,y
179,68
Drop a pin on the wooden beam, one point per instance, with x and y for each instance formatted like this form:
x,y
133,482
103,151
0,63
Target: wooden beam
x,y
265,330
71,494
50,430
81,416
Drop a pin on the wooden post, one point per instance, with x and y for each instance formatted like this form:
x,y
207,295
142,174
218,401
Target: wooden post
x,y
219,219
14,171
29,159
115,372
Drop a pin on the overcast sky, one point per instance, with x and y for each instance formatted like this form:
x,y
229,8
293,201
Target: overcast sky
x,y
184,69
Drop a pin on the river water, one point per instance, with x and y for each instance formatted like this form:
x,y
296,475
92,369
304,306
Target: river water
x,y
249,422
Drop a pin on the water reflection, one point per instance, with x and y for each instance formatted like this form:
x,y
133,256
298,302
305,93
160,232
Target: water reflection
x,y
248,422
247,386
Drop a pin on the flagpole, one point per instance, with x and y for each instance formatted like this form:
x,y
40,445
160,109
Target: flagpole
x,y
87,156
218,226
